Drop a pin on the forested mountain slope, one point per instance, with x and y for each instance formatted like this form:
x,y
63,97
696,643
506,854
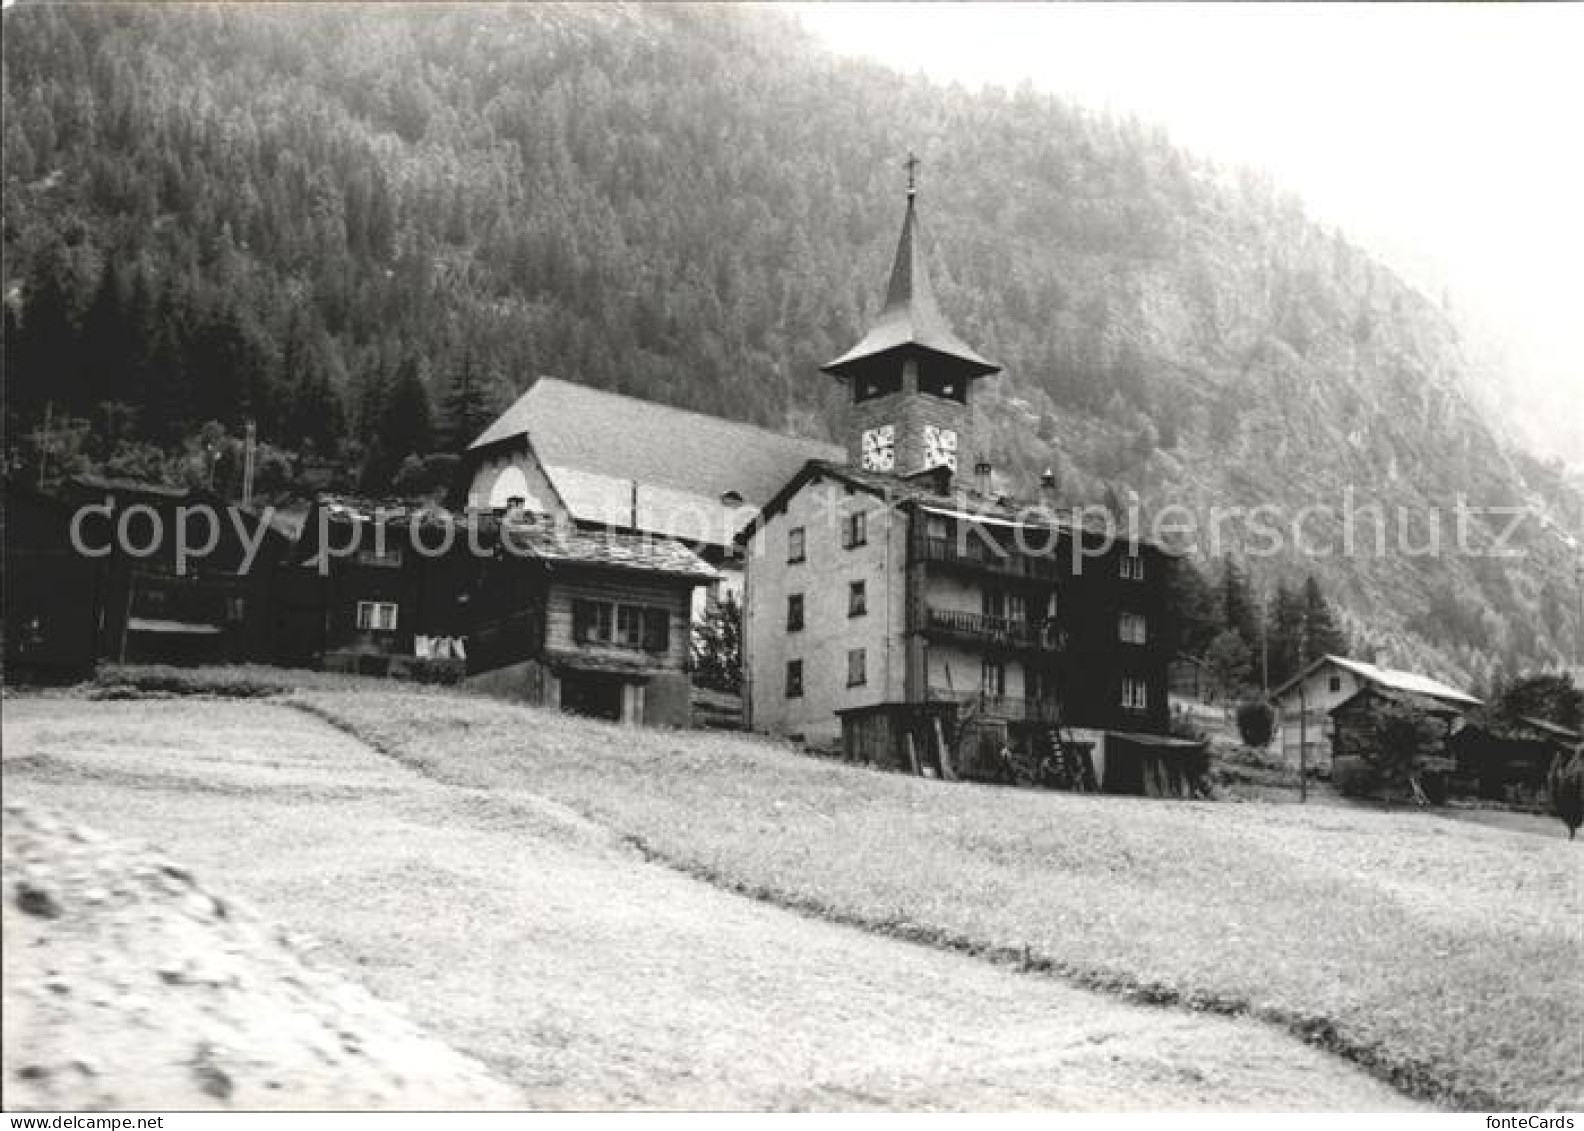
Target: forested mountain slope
x,y
367,228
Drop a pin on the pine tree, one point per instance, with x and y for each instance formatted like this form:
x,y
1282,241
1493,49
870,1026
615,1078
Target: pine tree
x,y
1238,613
1229,664
408,419
1286,634
106,342
1324,636
1193,609
465,412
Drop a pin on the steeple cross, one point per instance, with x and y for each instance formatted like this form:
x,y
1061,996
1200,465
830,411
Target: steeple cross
x,y
911,165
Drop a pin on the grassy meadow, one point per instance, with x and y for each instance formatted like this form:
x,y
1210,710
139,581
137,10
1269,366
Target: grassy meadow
x,y
1442,956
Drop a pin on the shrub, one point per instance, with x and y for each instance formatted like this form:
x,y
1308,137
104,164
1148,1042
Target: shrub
x,y
1256,722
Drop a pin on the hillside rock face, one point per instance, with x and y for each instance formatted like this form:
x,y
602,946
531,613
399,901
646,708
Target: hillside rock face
x,y
308,217
128,985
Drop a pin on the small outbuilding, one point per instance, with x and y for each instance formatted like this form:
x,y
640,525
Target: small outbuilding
x,y
1306,703
1509,761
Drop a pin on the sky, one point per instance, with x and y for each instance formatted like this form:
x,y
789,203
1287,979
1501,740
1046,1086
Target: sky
x,y
1444,138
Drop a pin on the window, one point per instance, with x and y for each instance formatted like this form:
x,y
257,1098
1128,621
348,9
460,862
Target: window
x,y
656,630
376,616
857,663
1133,566
940,383
795,612
935,528
1336,683
794,679
1002,604
992,678
381,555
1133,629
626,626
857,598
855,529
593,622
795,544
868,388
1135,695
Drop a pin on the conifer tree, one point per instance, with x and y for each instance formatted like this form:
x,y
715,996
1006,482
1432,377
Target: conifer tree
x,y
1324,635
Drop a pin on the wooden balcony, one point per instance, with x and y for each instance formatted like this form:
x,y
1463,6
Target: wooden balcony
x,y
1002,708
975,628
976,556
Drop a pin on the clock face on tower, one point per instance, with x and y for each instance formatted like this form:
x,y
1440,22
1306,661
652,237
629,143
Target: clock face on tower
x,y
940,447
879,448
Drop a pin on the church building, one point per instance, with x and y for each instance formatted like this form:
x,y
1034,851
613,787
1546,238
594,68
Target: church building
x,y
601,461
898,609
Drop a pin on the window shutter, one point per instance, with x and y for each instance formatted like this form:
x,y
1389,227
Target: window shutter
x,y
657,630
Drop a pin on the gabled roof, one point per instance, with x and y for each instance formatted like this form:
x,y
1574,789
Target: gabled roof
x,y
1409,682
1429,704
561,546
543,540
593,445
892,487
910,316
122,491
911,491
123,486
1550,729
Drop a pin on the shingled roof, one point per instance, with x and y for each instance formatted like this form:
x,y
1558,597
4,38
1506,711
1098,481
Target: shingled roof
x,y
911,317
557,546
528,537
594,445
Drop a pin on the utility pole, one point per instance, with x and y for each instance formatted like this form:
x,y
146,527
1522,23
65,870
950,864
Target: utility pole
x,y
1578,587
1265,646
1303,711
44,441
247,464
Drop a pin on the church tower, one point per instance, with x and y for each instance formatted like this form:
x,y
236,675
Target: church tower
x,y
910,380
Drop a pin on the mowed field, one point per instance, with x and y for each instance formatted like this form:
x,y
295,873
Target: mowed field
x,y
499,870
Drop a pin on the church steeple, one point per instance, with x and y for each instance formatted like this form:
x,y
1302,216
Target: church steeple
x,y
910,374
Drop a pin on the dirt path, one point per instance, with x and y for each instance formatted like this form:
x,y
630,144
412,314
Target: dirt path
x,y
588,978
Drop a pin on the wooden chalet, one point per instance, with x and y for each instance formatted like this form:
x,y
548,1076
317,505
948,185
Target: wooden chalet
x,y
1306,703
53,594
1353,732
158,575
516,604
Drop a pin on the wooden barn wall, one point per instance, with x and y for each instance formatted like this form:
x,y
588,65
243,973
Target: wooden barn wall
x,y
568,585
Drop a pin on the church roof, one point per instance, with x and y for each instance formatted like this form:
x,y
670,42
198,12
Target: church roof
x,y
910,316
594,445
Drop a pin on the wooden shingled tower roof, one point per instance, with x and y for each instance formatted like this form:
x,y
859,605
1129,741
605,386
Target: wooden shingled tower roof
x,y
911,320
